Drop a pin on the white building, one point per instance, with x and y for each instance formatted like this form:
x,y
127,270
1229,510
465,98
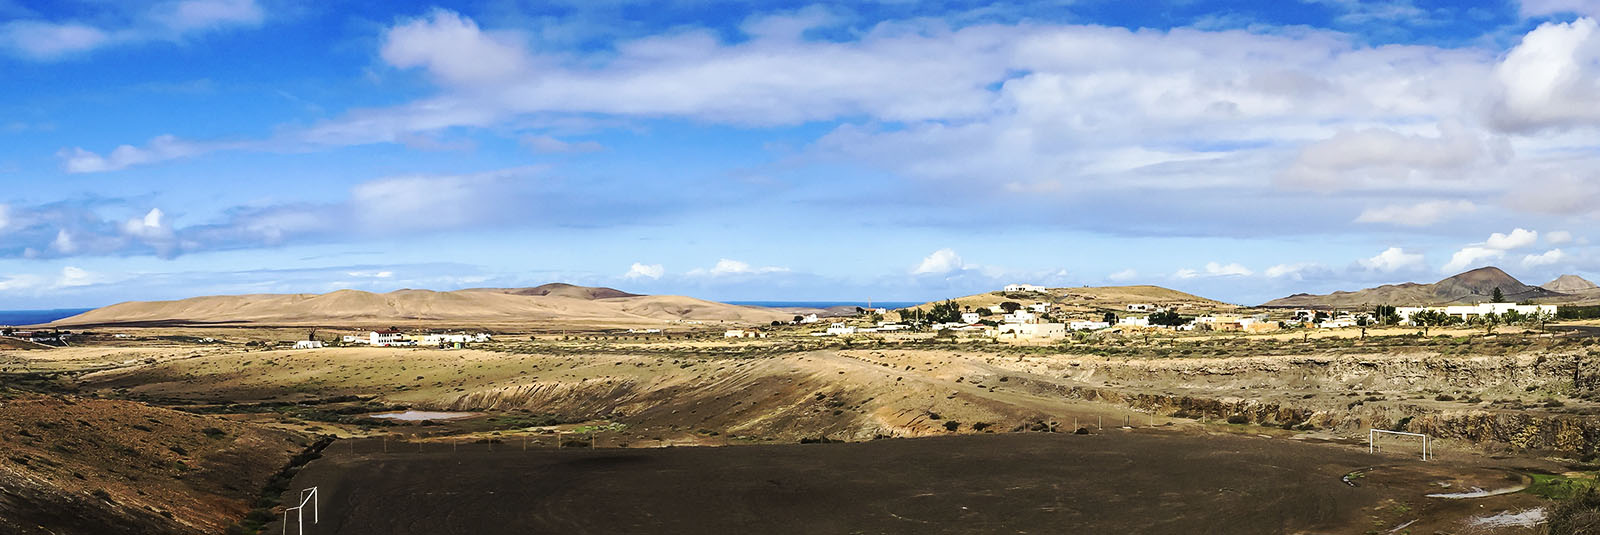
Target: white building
x,y
1020,316
840,329
1030,331
1134,322
388,338
741,333
810,319
1467,312
1085,325
1039,308
970,317
308,344
1024,288
436,339
352,339
1141,307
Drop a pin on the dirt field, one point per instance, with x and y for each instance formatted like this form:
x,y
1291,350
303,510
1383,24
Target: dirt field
x,y
1117,482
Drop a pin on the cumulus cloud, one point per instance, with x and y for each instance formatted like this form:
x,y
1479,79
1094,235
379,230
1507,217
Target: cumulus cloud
x,y
940,262
726,267
1555,237
1416,215
644,271
1517,239
454,49
1293,271
1549,79
1543,259
1391,260
1493,248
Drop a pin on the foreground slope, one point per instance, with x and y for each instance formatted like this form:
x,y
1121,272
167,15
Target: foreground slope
x,y
483,305
74,465
1471,287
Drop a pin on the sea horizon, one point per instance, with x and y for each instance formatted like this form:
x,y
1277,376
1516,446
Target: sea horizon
x,y
38,316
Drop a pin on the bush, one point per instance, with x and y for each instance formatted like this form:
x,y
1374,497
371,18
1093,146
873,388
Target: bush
x,y
1576,515
1444,397
952,425
1238,419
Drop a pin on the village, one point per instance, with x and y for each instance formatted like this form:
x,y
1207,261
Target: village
x,y
1032,312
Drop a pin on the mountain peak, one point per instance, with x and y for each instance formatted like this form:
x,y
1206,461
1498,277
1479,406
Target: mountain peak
x,y
1568,284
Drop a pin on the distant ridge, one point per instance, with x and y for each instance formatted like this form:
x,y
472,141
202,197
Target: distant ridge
x,y
1471,287
550,302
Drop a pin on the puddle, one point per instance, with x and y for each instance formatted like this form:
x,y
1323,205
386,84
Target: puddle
x,y
1526,518
421,416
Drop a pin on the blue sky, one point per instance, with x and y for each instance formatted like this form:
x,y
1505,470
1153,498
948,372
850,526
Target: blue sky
x,y
803,151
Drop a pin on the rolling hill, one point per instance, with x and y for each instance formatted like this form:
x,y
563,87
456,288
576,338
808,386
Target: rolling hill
x,y
1471,287
551,302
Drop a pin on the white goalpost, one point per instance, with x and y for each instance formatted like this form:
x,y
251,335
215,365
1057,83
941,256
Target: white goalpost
x,y
306,496
1373,434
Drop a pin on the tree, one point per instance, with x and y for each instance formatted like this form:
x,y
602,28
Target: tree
x,y
983,312
946,312
1386,315
1431,318
797,319
1011,307
860,311
1167,318
1498,296
1110,317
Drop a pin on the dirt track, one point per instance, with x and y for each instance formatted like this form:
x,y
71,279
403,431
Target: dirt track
x,y
1118,482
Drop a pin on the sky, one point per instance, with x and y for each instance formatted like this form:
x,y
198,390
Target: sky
x,y
745,150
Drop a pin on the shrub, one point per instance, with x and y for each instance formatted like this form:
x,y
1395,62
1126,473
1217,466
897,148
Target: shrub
x,y
1238,419
952,425
1444,397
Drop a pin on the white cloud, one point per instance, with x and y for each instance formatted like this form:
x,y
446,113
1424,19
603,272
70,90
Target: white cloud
x,y
72,277
43,40
1124,275
1533,8
1549,80
1214,269
64,243
1544,259
1555,237
371,274
1384,158
455,50
1293,271
1471,256
1391,260
1517,239
160,149
5,217
726,267
549,144
1416,215
940,262
644,271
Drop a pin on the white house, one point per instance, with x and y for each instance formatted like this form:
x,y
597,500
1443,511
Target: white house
x,y
1024,288
810,319
1467,312
1086,325
1141,307
741,333
352,339
1134,322
1020,316
1030,331
970,317
1039,308
308,344
388,338
840,329
436,339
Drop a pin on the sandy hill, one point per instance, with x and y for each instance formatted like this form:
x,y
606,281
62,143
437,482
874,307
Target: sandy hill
x,y
1476,286
1569,284
483,305
1102,298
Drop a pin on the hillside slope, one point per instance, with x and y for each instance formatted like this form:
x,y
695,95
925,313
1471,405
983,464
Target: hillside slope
x,y
1471,287
1087,299
483,305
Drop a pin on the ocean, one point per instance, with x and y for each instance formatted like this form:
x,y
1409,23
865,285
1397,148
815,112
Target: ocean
x,y
891,305
31,317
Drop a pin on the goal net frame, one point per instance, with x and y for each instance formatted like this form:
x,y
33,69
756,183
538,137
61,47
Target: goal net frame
x,y
1373,434
306,496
